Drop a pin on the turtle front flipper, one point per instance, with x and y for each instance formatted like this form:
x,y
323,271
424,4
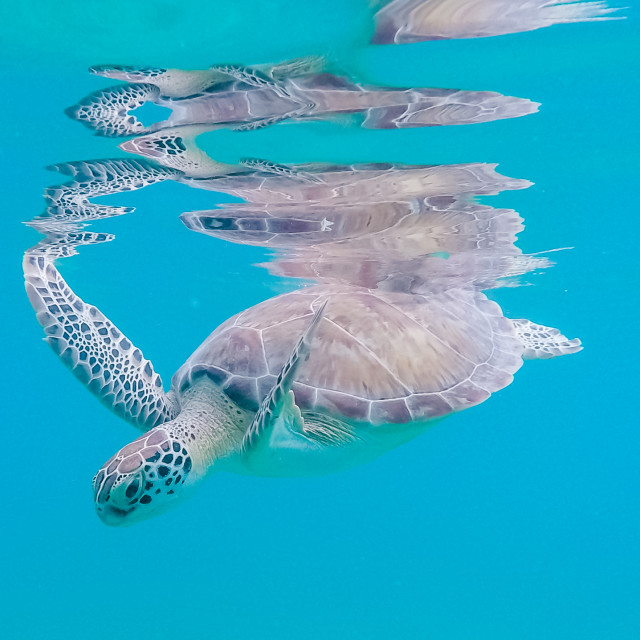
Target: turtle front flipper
x,y
92,178
278,416
69,202
172,83
128,73
97,353
267,166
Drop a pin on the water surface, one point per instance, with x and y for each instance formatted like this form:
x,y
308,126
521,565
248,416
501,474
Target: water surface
x,y
515,519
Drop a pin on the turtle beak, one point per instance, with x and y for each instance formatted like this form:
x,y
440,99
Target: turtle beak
x,y
113,516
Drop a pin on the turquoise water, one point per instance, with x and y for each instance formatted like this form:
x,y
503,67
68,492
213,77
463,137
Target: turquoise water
x,y
516,519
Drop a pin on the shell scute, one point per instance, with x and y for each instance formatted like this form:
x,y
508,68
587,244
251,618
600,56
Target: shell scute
x,y
238,351
376,357
465,395
343,357
389,411
428,406
343,404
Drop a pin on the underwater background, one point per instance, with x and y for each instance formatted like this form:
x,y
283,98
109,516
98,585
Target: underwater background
x,y
516,519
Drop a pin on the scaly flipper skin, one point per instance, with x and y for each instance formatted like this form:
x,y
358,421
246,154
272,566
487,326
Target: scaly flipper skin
x,y
63,238
69,202
170,83
280,399
180,83
106,176
97,353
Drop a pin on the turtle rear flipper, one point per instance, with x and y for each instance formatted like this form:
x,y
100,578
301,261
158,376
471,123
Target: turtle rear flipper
x,y
107,111
543,342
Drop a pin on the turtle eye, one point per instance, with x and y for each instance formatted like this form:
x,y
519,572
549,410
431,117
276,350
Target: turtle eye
x,y
133,489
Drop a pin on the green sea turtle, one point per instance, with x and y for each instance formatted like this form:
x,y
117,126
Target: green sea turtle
x,y
305,383
247,98
263,184
262,181
287,205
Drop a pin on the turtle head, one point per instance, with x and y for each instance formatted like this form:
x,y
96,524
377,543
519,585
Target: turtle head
x,y
143,479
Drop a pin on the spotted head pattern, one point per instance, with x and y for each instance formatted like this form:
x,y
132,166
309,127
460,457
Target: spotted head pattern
x,y
143,478
107,111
